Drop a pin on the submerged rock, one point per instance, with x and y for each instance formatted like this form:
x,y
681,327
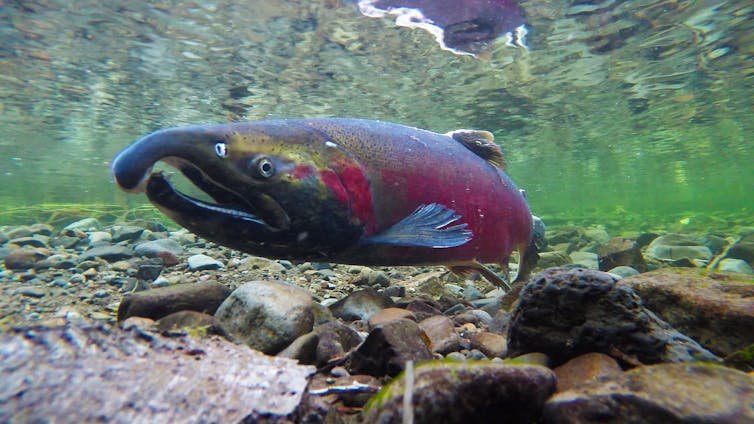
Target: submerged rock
x,y
568,312
388,347
674,247
360,304
464,392
665,393
325,343
85,372
193,322
585,368
715,309
157,303
267,315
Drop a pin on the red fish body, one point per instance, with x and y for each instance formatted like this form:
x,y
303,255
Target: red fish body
x,y
339,190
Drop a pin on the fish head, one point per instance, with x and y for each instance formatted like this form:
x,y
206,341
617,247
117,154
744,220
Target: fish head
x,y
272,186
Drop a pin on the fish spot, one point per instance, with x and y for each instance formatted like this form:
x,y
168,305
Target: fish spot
x,y
331,144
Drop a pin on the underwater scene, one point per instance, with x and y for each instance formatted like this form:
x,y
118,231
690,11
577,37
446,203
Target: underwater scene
x,y
377,211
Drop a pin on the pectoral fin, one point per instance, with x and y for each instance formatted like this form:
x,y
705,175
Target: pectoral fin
x,y
427,226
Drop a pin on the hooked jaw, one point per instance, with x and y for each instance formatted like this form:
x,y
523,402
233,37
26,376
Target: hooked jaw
x,y
194,152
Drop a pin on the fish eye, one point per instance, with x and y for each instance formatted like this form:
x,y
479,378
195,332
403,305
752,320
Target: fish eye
x,y
221,150
263,167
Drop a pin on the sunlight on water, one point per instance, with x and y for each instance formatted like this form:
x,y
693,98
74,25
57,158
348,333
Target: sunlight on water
x,y
617,109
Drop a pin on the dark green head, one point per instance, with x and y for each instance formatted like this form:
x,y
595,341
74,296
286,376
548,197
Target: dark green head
x,y
276,185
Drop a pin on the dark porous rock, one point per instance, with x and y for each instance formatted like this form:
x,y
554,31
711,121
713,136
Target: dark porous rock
x,y
585,368
464,392
110,253
156,303
325,343
664,393
441,333
423,308
126,233
620,251
22,259
193,322
85,372
569,312
267,315
388,347
360,304
156,248
715,309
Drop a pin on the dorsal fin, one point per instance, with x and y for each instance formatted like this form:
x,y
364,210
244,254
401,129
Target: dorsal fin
x,y
482,143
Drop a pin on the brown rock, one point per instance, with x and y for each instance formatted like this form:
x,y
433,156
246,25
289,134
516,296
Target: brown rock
x,y
585,368
464,392
491,344
21,259
620,251
388,347
664,393
442,334
390,314
424,309
157,303
717,310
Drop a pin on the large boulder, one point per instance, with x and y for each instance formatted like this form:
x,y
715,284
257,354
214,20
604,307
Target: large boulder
x,y
665,393
715,309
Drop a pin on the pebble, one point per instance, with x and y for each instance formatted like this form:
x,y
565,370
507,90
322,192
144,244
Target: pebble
x,y
126,233
623,271
110,253
35,292
441,333
203,263
99,237
588,367
388,347
388,315
586,259
35,241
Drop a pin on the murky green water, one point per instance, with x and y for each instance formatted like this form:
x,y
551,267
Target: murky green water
x,y
624,113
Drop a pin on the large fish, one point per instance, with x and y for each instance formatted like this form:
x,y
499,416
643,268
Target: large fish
x,y
339,190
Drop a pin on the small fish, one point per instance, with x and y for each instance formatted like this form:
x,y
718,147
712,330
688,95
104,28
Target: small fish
x,y
339,190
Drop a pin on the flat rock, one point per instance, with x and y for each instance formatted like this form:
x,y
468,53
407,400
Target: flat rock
x,y
29,241
155,248
569,312
585,368
464,392
126,233
743,249
715,309
267,315
83,224
664,393
441,333
203,263
735,265
390,314
84,372
586,259
156,303
110,253
360,304
388,347
673,247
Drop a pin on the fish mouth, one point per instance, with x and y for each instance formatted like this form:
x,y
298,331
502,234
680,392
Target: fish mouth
x,y
229,207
